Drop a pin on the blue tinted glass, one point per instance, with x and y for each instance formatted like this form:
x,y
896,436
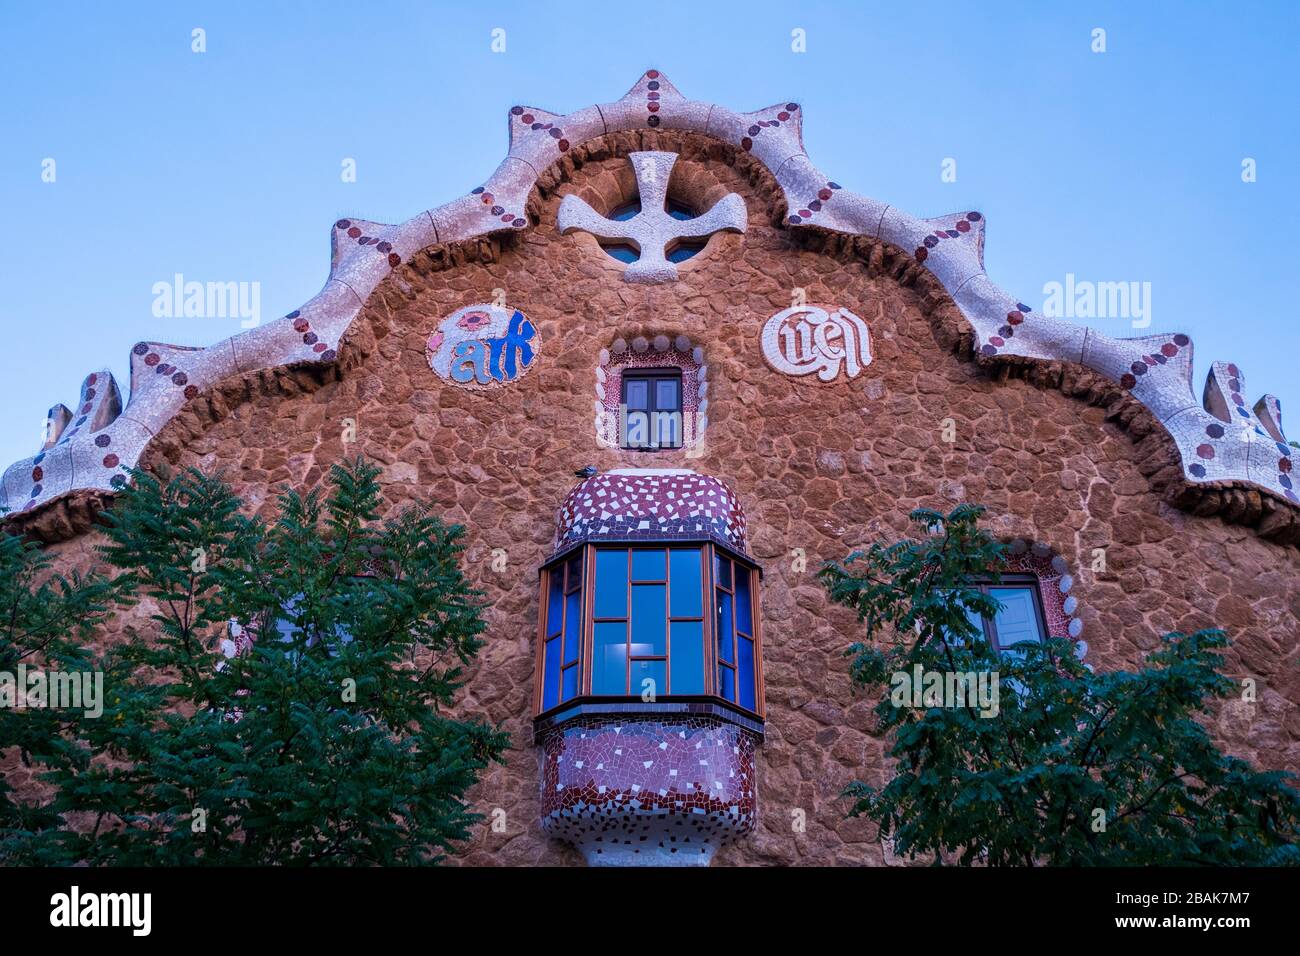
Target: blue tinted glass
x,y
570,683
745,672
575,573
622,252
679,211
555,606
722,570
1018,619
683,250
649,620
725,650
744,607
572,628
626,211
647,566
687,657
636,393
611,584
551,674
687,594
652,671
666,394
609,659
726,683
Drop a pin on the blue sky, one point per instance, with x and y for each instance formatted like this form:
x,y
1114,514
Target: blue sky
x,y
225,166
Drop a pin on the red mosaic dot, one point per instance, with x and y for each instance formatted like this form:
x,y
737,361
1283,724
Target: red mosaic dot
x,y
153,358
1232,370
922,253
1150,360
997,340
783,116
805,213
1237,399
38,473
564,145
111,460
394,259
653,74
319,347
1169,349
85,409
354,232
92,378
1015,318
652,107
191,391
1284,464
823,194
487,199
963,226
1205,451
746,144
1127,380
528,118
302,325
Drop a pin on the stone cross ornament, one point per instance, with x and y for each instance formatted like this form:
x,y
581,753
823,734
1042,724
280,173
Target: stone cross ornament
x,y
652,231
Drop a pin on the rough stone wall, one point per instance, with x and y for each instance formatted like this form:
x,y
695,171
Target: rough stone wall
x,y
1056,455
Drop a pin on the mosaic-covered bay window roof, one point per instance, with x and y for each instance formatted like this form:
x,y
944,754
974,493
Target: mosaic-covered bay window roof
x,y
632,504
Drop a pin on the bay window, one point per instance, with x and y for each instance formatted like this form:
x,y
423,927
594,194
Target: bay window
x,y
646,622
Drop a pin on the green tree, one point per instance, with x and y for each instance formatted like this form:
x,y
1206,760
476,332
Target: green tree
x,y
327,740
1074,767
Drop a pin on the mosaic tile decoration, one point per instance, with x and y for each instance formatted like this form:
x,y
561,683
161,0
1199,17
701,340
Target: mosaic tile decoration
x,y
483,346
659,352
655,504
805,339
1247,446
648,790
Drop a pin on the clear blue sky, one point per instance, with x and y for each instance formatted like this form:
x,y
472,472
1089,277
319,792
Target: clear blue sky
x,y
224,166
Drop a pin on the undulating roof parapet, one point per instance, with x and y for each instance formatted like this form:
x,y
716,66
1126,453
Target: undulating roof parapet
x,y
1221,438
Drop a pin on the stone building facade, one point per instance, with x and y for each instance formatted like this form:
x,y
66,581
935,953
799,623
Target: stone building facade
x,y
764,371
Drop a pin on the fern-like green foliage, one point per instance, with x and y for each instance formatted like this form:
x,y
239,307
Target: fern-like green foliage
x,y
1110,768
330,741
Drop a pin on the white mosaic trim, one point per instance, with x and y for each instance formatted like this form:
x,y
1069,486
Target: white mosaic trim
x,y
1247,446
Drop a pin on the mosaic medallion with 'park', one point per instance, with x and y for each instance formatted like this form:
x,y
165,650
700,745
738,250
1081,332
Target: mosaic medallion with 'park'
x,y
483,346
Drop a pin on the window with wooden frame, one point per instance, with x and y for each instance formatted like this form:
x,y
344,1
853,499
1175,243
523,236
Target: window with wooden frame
x,y
1021,618
658,621
652,408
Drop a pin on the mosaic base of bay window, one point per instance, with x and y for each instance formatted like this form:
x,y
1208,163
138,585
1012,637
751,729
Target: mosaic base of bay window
x,y
648,791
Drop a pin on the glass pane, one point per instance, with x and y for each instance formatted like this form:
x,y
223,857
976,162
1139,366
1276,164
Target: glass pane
x,y
575,572
649,620
611,583
648,680
636,393
609,664
555,606
687,657
647,566
666,394
721,570
570,683
572,628
551,674
725,649
687,595
726,682
745,672
744,607
1018,619
666,428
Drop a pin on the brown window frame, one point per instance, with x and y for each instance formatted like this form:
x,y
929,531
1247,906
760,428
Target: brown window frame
x,y
708,619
